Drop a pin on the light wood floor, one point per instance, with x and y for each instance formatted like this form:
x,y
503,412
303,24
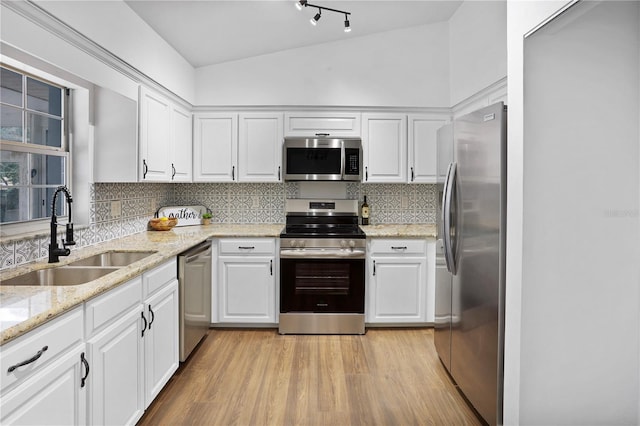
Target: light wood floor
x,y
258,377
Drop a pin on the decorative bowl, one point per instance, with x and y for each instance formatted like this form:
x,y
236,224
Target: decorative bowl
x,y
163,224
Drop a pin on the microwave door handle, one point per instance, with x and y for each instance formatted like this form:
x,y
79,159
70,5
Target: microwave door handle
x,y
343,155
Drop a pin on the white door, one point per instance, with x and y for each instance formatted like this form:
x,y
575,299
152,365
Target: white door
x,y
384,142
423,152
52,397
181,143
247,289
397,289
161,340
260,147
155,136
215,147
116,357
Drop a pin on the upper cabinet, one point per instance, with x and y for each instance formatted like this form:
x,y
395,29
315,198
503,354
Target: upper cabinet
x,y
422,144
309,123
260,147
165,139
384,143
230,147
215,147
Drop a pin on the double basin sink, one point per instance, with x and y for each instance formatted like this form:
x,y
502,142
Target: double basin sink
x,y
79,272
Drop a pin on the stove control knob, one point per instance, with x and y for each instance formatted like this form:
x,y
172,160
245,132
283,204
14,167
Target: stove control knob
x,y
301,243
352,243
293,243
343,244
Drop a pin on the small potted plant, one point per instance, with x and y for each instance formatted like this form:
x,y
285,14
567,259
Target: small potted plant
x,y
206,218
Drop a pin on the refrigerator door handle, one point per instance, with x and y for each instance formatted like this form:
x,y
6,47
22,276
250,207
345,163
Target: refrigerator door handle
x,y
449,185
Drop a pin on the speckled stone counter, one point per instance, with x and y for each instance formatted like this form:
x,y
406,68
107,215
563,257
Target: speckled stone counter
x,y
23,308
400,230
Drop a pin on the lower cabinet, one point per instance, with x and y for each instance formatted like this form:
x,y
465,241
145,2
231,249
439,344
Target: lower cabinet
x,y
134,350
397,284
116,385
247,281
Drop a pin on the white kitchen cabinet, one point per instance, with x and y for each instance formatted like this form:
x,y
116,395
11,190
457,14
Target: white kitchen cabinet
x,y
165,139
247,281
397,281
161,339
215,147
260,147
384,143
116,355
49,387
422,144
311,124
54,396
133,339
181,143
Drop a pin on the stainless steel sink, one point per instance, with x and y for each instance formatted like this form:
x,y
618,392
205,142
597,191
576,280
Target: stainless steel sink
x,y
60,276
113,258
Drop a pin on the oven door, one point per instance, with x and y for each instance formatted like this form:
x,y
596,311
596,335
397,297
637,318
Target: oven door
x,y
322,285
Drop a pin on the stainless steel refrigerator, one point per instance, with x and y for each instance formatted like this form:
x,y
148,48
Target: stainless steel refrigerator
x,y
470,258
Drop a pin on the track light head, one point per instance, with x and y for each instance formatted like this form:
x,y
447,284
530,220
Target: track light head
x,y
316,18
347,26
300,4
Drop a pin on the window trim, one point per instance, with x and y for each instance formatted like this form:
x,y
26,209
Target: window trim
x,y
38,226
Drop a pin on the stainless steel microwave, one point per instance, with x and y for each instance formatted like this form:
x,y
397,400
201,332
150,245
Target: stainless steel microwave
x,y
329,159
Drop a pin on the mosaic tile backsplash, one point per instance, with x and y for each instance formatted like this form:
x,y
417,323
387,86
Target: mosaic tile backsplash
x,y
229,203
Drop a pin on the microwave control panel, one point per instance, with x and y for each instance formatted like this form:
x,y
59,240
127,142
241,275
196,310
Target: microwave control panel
x,y
352,161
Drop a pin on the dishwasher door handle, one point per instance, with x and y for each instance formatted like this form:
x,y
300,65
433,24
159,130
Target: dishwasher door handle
x,y
204,256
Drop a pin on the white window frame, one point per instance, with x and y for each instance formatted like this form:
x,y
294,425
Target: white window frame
x,y
36,226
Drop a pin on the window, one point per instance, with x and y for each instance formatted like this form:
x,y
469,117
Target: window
x,y
34,159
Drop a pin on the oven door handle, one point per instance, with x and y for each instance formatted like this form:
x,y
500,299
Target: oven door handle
x,y
316,254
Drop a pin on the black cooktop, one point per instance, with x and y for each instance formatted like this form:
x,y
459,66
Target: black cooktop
x,y
306,226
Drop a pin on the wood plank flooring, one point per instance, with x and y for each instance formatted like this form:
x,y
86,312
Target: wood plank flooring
x,y
258,377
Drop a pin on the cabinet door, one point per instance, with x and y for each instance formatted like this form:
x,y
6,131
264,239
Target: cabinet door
x,y
161,340
397,288
384,140
215,147
310,124
181,143
247,289
423,154
260,147
155,136
53,396
116,357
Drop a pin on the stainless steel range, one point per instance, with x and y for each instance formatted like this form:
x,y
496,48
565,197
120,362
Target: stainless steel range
x,y
322,268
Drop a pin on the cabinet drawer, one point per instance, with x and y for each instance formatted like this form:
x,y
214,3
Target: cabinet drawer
x,y
158,277
104,309
252,246
398,247
57,336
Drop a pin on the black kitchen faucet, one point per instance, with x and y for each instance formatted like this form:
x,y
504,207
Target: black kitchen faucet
x,y
54,251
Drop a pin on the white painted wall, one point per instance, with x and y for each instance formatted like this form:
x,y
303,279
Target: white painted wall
x,y
572,345
407,67
117,28
478,49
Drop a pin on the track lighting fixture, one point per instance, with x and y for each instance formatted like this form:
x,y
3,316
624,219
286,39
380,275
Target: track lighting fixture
x,y
303,3
347,27
316,18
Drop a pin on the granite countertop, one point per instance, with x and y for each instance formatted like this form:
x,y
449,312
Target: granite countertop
x,y
22,308
400,230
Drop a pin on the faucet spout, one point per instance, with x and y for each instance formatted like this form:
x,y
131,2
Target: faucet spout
x,y
54,250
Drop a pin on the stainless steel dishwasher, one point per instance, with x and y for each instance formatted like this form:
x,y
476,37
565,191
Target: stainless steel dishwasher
x,y
194,274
